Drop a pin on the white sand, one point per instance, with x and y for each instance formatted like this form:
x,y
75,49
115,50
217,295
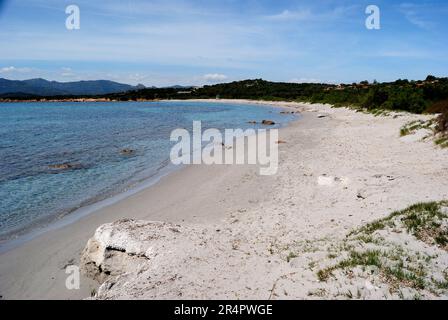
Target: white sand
x,y
335,173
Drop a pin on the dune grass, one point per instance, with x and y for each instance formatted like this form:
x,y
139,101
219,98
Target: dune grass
x,y
368,247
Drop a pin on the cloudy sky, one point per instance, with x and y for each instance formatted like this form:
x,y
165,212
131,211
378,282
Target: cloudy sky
x,y
167,42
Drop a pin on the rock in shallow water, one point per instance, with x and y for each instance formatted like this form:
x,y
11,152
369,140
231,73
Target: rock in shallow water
x,y
65,166
127,152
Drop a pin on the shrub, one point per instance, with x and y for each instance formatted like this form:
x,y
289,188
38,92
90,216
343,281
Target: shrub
x,y
442,122
438,107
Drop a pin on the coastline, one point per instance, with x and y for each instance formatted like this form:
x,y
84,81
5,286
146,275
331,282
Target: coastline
x,y
190,197
60,219
34,240
71,216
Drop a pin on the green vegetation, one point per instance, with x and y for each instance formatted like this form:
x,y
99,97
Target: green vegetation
x,y
422,220
430,95
442,142
423,96
425,221
402,95
413,126
291,256
367,258
393,273
373,247
442,284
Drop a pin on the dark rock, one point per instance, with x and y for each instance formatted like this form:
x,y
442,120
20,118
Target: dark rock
x,y
268,122
127,152
65,166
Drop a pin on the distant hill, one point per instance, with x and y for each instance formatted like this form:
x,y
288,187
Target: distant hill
x,y
44,87
178,87
429,95
418,96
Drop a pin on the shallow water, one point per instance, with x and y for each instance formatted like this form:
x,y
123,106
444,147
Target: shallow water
x,y
91,137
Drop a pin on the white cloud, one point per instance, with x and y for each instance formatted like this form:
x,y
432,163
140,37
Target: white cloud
x,y
214,77
154,7
305,80
405,53
12,69
7,69
67,72
197,45
412,13
137,77
306,14
291,15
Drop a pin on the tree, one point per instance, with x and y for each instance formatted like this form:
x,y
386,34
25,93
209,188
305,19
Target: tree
x,y
375,98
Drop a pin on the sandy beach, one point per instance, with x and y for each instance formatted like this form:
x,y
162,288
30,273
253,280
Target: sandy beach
x,y
242,235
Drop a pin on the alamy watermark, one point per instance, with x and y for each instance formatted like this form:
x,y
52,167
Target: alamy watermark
x,y
72,282
235,146
73,21
373,21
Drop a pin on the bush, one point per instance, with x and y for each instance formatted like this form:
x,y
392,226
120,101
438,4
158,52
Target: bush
x,y
438,107
375,98
442,121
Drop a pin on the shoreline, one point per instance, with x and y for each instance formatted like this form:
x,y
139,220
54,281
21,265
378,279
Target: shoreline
x,y
15,239
38,235
72,216
287,207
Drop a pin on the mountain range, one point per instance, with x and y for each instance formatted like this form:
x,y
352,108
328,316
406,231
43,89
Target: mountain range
x,y
42,87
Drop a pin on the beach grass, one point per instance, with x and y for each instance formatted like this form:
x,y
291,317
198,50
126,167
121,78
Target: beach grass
x,y
397,262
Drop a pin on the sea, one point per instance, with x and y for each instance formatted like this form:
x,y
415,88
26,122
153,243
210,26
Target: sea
x,y
58,157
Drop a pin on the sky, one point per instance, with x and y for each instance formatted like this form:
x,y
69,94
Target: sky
x,y
197,42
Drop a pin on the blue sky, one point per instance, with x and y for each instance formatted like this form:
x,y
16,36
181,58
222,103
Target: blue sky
x,y
195,42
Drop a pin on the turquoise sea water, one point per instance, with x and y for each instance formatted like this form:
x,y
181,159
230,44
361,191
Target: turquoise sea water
x,y
90,137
